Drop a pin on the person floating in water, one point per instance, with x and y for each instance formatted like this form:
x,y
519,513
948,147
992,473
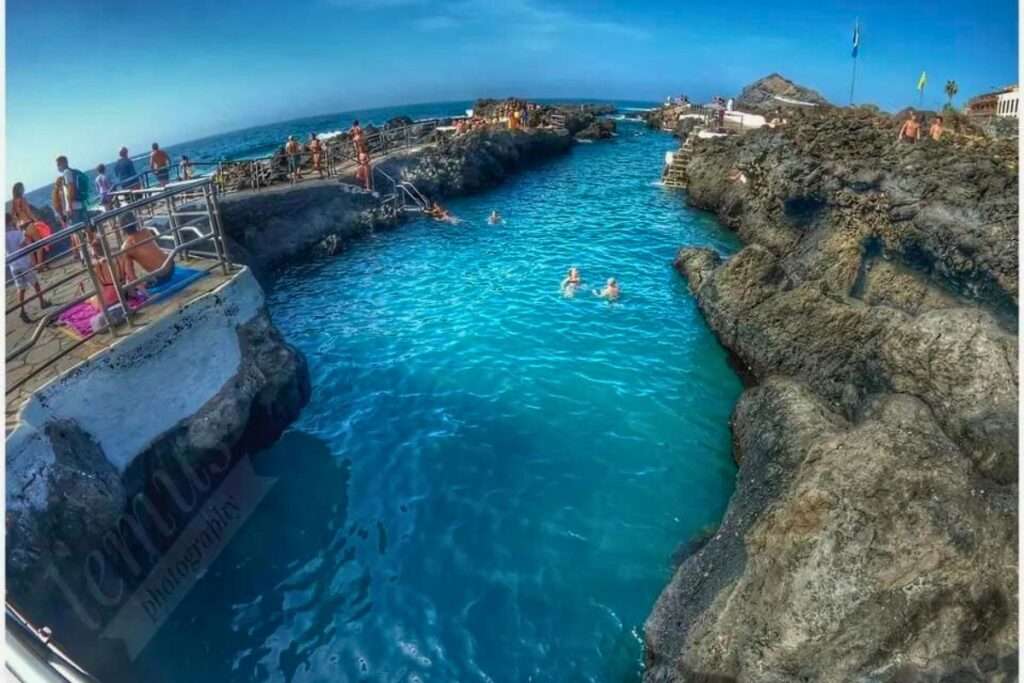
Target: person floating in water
x,y
495,218
437,212
610,290
572,282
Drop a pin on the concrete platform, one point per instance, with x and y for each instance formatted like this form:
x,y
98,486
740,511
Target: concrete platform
x,y
56,341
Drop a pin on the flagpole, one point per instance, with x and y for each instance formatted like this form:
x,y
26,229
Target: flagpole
x,y
856,52
853,79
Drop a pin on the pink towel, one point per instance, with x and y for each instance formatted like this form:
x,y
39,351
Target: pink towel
x,y
79,317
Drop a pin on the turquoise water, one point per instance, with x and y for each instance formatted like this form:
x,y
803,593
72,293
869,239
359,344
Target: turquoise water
x,y
490,480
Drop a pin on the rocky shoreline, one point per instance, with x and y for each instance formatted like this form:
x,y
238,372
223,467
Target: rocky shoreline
x,y
873,531
268,228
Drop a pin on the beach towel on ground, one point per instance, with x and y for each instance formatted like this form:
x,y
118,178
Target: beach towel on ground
x,y
180,279
83,318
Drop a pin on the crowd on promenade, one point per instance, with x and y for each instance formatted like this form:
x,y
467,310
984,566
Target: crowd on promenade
x,y
72,194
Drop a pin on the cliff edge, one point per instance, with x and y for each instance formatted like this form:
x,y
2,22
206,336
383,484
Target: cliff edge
x,y
872,535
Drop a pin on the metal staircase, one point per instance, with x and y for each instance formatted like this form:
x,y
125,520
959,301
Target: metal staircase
x,y
674,173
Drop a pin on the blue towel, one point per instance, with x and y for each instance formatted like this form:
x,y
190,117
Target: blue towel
x,y
180,279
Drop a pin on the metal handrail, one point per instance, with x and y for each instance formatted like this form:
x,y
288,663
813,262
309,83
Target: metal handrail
x,y
81,226
94,233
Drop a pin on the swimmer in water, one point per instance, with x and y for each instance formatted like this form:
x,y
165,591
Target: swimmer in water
x,y
437,212
495,218
572,282
610,291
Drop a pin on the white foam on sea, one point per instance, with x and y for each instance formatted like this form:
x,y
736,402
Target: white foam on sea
x,y
330,135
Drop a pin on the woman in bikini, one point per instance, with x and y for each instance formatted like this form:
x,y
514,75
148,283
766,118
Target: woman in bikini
x,y
108,279
25,218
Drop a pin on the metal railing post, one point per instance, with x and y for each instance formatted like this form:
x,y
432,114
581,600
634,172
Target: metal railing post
x,y
174,224
105,248
96,288
218,244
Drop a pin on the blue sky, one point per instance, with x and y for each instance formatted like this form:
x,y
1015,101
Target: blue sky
x,y
84,77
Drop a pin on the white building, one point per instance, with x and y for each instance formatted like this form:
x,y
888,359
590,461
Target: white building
x,y
1008,103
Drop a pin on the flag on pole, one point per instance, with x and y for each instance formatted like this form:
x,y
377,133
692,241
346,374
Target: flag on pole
x,y
923,81
856,38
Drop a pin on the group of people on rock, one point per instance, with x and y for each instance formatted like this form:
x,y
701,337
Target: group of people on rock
x,y
294,151
911,129
573,282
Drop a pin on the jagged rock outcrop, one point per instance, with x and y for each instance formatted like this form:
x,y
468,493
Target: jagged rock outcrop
x,y
477,160
601,129
764,93
872,534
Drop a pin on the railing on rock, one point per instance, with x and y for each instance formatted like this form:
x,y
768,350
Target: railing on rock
x,y
271,169
183,219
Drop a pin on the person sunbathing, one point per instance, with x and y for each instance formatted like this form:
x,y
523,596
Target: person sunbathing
x,y
140,249
610,290
109,278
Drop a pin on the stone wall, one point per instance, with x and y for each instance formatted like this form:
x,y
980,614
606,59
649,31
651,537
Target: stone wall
x,y
202,385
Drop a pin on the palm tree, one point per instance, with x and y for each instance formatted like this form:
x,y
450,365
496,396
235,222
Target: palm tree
x,y
951,91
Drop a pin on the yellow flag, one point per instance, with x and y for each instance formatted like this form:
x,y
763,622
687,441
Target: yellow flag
x,y
921,82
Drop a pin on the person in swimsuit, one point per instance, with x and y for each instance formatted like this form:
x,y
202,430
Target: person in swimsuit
x,y
610,291
495,218
935,131
25,219
364,173
160,164
140,249
317,151
293,150
910,131
358,138
572,282
21,269
108,278
185,168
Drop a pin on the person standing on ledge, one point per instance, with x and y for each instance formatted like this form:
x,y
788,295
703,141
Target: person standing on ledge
x,y
125,171
935,131
358,138
160,164
910,131
21,269
293,150
73,195
317,151
185,168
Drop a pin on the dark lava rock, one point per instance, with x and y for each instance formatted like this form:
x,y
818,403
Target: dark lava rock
x,y
477,160
601,129
872,534
761,93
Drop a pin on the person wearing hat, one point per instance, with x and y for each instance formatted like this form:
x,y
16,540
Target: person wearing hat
x,y
293,150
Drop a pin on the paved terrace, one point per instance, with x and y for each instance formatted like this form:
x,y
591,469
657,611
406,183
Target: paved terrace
x,y
57,349
57,341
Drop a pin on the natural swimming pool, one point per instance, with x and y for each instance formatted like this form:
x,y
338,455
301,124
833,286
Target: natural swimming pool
x,y
490,480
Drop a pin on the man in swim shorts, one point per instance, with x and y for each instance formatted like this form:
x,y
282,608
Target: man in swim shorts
x,y
160,163
140,249
910,131
610,291
293,150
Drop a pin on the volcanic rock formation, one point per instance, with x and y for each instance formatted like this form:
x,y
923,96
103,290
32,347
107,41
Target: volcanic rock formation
x,y
873,531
